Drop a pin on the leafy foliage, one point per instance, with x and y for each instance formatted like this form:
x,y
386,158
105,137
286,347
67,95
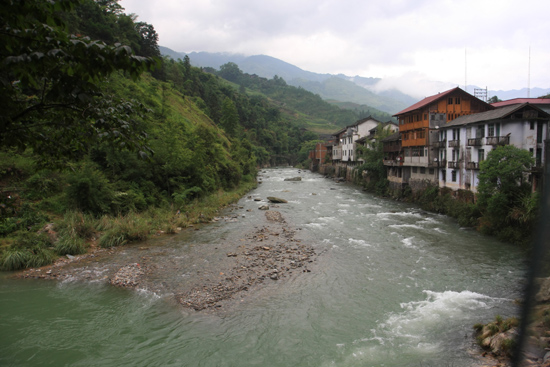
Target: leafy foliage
x,y
373,167
50,84
508,206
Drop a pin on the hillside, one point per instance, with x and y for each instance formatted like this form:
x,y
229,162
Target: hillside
x,y
344,89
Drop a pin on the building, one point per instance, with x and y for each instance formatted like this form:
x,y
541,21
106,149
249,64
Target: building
x,y
466,141
318,156
343,150
419,128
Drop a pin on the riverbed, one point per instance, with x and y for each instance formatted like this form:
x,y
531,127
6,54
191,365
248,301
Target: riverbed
x,y
385,284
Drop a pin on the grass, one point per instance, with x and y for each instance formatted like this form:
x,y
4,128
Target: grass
x,y
74,230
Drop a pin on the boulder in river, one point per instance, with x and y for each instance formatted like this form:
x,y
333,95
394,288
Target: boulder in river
x,y
276,200
293,179
264,207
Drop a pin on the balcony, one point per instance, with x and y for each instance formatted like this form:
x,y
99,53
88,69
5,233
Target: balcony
x,y
452,164
392,162
475,142
498,140
454,143
437,163
440,144
472,165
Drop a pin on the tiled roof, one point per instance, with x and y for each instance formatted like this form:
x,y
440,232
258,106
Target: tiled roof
x,y
495,114
393,137
521,100
426,101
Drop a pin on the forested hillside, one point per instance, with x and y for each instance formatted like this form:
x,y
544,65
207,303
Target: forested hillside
x,y
94,125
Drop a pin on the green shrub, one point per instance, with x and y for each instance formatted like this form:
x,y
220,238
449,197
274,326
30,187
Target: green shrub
x,y
89,190
128,228
43,184
112,238
70,245
15,259
40,257
77,224
29,250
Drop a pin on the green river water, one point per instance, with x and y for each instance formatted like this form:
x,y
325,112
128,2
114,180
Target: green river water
x,y
393,286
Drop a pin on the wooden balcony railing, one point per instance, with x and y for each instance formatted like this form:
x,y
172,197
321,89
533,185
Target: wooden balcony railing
x,y
440,144
392,162
472,165
454,143
475,142
452,164
498,140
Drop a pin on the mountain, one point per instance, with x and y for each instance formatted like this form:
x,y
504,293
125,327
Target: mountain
x,y
329,87
518,93
357,89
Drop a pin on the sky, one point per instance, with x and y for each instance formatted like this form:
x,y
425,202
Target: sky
x,y
420,47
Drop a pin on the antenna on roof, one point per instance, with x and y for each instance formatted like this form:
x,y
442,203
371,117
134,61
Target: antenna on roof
x,y
465,71
529,75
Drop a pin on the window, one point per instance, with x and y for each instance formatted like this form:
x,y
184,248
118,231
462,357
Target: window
x,y
532,125
415,169
481,155
450,100
431,171
453,176
456,134
423,170
457,100
491,130
455,155
480,131
425,116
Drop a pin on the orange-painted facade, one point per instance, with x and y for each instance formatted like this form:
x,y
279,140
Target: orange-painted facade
x,y
416,120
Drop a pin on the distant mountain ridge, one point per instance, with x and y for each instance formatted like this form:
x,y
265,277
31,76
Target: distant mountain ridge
x,y
357,89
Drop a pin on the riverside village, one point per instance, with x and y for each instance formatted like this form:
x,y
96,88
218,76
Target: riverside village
x,y
163,207
441,140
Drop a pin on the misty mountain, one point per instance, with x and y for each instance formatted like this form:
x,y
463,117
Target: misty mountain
x,y
329,87
359,90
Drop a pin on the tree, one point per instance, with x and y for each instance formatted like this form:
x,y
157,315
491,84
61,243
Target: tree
x,y
503,172
51,84
230,71
504,197
373,156
494,99
229,117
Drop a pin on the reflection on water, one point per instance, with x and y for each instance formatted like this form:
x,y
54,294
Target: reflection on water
x,y
396,286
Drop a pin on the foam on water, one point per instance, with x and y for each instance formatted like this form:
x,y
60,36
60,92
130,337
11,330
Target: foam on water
x,y
387,215
408,242
405,226
412,329
355,242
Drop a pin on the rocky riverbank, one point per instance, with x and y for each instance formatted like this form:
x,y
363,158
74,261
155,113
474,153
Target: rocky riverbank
x,y
267,254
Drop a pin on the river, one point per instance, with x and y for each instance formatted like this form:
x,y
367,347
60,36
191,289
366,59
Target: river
x,y
392,286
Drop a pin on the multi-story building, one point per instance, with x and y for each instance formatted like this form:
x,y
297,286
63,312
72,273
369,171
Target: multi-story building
x,y
419,126
466,141
344,148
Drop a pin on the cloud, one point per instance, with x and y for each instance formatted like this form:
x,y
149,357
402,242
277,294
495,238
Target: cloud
x,y
484,42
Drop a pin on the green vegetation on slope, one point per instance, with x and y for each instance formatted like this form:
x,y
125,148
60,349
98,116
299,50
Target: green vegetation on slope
x,y
82,133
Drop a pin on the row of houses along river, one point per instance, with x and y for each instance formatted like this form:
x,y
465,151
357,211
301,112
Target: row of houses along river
x,y
391,285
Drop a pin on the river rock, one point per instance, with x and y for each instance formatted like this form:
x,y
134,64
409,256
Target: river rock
x,y
274,216
264,207
127,276
276,200
293,179
543,294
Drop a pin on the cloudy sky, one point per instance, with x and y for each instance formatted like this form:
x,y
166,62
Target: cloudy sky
x,y
410,44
